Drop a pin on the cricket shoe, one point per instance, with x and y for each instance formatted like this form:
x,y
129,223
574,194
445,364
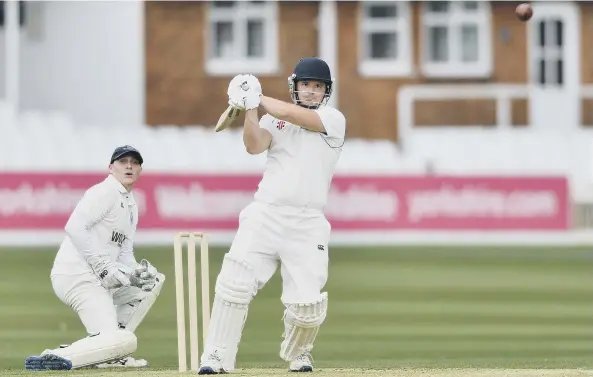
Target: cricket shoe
x,y
126,362
302,363
212,364
47,361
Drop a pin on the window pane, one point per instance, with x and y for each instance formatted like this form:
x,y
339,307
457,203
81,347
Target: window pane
x,y
559,27
382,11
438,6
559,72
255,38
223,39
438,44
383,46
470,5
22,13
541,77
223,4
469,43
541,34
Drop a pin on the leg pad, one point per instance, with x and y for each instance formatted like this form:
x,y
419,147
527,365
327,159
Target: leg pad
x,y
302,322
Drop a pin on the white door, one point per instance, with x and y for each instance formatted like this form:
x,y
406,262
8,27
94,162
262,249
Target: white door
x,y
554,66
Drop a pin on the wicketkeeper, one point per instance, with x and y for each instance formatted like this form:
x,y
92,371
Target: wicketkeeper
x,y
96,273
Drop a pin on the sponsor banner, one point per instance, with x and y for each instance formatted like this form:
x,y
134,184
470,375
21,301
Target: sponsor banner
x,y
356,203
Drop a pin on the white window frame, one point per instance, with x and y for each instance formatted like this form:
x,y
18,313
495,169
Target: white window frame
x,y
239,14
402,66
548,53
453,20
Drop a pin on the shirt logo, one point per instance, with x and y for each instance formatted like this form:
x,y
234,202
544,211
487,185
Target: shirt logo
x,y
118,238
280,125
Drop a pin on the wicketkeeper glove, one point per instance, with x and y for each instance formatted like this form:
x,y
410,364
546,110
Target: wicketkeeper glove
x,y
144,276
112,277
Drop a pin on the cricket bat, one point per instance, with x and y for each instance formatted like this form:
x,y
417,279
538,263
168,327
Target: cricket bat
x,y
227,118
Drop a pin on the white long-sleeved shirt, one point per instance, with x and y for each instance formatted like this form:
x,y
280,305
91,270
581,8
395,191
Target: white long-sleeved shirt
x,y
100,231
301,163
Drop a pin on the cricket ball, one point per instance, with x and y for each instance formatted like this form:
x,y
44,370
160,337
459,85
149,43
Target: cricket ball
x,y
524,12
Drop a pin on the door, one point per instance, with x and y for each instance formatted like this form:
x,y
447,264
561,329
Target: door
x,y
554,66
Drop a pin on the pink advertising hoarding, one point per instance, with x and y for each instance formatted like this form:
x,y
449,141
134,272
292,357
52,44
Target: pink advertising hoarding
x,y
356,203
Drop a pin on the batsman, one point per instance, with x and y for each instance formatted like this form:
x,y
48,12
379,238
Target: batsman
x,y
285,224
96,273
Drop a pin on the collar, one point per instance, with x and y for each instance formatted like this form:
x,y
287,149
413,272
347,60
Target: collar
x,y
110,178
122,190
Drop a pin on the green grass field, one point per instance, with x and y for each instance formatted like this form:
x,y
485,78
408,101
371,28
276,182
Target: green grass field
x,y
406,311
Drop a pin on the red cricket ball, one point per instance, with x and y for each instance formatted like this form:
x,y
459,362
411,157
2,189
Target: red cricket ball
x,y
524,12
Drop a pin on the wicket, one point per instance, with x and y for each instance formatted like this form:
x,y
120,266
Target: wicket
x,y
193,300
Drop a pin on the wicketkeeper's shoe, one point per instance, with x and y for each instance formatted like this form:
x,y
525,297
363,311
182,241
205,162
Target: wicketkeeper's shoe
x,y
47,361
301,364
212,364
126,362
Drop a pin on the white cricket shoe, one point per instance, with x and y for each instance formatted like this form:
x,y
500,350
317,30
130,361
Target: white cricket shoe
x,y
212,364
126,362
302,363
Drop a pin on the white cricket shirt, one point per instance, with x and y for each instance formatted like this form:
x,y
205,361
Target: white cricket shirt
x,y
99,231
301,163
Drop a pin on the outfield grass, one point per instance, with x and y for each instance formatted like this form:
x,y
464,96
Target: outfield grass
x,y
389,308
329,372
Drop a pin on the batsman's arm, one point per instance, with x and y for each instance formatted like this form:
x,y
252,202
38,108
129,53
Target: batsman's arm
x,y
289,112
92,208
255,138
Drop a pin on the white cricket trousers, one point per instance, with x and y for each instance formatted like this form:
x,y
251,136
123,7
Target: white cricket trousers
x,y
296,237
99,309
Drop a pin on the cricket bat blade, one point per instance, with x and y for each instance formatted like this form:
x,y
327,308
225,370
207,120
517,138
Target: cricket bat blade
x,y
227,118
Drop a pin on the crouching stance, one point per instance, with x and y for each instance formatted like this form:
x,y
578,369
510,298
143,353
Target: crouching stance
x,y
96,273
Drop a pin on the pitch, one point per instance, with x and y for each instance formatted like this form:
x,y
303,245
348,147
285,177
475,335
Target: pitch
x,y
401,311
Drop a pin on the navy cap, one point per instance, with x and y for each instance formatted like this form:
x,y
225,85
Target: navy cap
x,y
126,150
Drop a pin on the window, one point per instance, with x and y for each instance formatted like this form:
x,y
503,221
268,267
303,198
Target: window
x,y
548,52
456,39
385,47
243,36
22,14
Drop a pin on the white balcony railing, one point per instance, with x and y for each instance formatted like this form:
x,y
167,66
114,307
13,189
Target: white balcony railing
x,y
503,94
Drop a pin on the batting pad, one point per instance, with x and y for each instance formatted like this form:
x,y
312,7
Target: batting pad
x,y
302,322
235,288
131,315
97,349
236,282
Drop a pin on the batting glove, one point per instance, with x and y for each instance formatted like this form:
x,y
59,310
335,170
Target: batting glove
x,y
252,100
252,83
244,92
